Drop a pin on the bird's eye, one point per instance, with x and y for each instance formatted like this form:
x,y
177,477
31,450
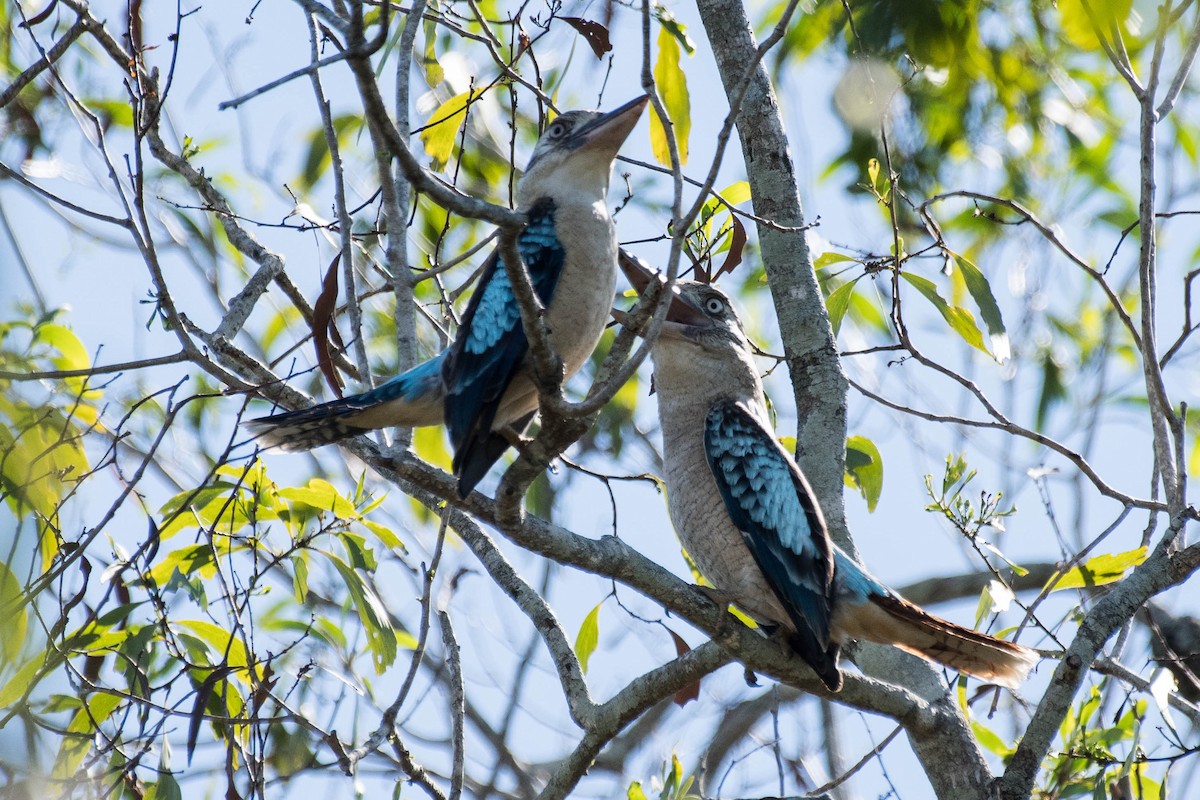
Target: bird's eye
x,y
557,130
714,306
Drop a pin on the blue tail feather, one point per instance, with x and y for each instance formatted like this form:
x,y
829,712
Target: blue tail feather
x,y
410,399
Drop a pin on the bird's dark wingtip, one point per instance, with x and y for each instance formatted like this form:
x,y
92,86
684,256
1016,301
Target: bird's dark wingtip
x,y
823,662
475,458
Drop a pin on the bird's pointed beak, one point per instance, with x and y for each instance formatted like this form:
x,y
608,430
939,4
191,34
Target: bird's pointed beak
x,y
682,319
607,133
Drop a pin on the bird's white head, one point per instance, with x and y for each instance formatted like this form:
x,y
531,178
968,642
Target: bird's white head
x,y
701,340
574,156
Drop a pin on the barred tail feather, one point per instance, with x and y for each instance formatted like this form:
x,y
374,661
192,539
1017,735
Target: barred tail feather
x,y
409,400
308,427
897,622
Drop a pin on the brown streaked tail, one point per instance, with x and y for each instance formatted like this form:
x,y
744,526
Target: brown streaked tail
x,y
897,622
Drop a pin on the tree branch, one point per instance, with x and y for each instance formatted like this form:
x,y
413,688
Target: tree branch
x,y
1166,567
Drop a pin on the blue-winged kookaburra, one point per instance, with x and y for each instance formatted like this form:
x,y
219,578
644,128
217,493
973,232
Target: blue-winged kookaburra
x,y
483,383
748,518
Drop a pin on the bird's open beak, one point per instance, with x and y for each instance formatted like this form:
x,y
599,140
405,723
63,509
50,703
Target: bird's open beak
x,y
682,317
608,132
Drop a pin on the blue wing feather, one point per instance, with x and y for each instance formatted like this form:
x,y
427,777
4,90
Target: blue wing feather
x,y
770,502
491,347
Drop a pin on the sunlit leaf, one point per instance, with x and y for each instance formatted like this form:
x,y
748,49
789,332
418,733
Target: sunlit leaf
x,y
990,741
429,442
381,636
588,637
674,27
384,534
830,258
960,320
321,495
224,647
1081,17
72,354
1100,570
13,617
300,577
188,559
989,310
434,74
78,740
15,687
441,131
873,173
864,469
837,303
673,90
736,193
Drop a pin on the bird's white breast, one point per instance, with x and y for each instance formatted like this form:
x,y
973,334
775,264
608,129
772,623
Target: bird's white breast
x,y
582,299
699,516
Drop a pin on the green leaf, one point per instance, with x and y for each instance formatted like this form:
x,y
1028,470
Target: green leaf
x,y
76,744
588,636
873,173
225,647
381,636
672,88
434,74
385,535
989,310
674,27
960,319
430,445
838,302
321,495
167,788
318,158
189,559
864,469
359,555
72,354
830,258
15,687
300,577
736,193
442,129
990,741
1078,25
1053,391
635,792
1100,570
114,112
13,617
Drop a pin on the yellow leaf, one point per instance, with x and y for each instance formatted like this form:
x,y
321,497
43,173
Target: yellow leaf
x,y
442,129
1100,570
1079,20
430,445
588,636
672,88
